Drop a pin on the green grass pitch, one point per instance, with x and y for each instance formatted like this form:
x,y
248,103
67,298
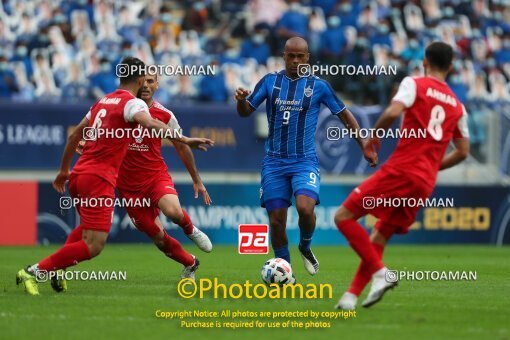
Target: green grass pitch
x,y
113,309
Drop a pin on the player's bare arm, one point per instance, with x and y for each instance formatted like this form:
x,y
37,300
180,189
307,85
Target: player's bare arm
x,y
202,144
350,122
457,155
187,158
71,145
387,118
243,108
144,119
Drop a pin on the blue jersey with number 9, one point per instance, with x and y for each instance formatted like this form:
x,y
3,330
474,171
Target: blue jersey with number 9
x,y
292,108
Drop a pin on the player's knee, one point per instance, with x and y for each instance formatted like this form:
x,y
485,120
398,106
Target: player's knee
x,y
277,222
305,211
95,241
342,214
95,246
174,213
378,237
159,239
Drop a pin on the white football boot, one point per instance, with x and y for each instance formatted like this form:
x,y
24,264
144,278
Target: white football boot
x,y
347,302
380,285
189,271
310,261
201,240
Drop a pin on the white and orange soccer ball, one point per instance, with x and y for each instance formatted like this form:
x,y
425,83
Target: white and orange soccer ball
x,y
277,271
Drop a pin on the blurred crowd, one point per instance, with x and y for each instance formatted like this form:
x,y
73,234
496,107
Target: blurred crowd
x,y
54,50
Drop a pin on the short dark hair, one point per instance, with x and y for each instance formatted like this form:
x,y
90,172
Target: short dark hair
x,y
439,55
132,73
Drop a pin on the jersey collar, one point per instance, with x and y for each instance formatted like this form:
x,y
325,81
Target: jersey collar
x,y
289,78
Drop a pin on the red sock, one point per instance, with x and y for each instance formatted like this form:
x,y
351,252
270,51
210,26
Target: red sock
x,y
75,235
174,250
362,277
69,255
186,223
379,248
360,241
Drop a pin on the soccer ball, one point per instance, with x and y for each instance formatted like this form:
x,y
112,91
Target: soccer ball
x,y
277,271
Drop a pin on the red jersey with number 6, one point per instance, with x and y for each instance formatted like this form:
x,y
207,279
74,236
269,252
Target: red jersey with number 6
x,y
432,107
104,151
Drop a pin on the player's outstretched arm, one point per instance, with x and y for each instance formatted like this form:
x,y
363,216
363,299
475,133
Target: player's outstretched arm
x,y
243,108
460,153
350,122
201,144
69,150
144,119
187,158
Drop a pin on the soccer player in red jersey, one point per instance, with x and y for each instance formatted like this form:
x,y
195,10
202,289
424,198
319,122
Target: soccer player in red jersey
x,y
144,174
95,174
411,171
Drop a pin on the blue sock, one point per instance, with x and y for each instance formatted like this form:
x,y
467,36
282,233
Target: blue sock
x,y
282,252
305,239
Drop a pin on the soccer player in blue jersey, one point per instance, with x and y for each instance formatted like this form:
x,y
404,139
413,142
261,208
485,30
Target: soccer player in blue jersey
x,y
290,166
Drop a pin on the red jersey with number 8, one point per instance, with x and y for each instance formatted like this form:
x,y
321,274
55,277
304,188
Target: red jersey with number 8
x,y
432,107
111,121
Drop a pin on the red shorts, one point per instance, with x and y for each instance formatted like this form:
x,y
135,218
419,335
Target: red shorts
x,y
143,217
385,184
92,216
